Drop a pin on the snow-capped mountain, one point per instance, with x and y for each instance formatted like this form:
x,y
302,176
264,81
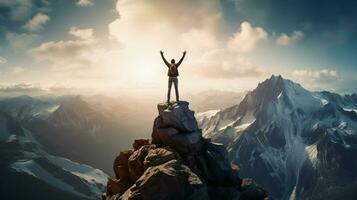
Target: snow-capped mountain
x,y
67,126
296,143
28,172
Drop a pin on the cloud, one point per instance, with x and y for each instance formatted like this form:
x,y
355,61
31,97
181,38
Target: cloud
x,y
64,50
37,22
18,70
196,31
318,79
86,56
84,3
225,63
20,88
325,79
21,41
3,60
153,24
323,74
84,34
284,39
247,38
142,30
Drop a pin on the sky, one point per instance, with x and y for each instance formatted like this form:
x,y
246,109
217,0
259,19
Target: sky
x,y
112,47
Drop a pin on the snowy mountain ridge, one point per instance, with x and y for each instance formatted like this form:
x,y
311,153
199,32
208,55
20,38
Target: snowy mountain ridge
x,y
25,163
284,133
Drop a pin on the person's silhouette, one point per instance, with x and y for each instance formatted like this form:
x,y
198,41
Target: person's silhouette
x,y
172,73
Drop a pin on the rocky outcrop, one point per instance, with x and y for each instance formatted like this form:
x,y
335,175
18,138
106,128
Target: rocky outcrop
x,y
178,163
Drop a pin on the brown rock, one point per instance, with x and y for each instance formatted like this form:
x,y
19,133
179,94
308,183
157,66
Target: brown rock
x,y
121,160
182,142
159,156
251,191
171,180
136,162
138,143
214,165
115,186
132,193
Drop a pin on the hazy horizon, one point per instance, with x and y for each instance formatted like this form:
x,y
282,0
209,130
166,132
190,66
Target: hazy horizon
x,y
112,47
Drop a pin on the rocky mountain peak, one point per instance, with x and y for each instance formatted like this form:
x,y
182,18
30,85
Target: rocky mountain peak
x,y
178,163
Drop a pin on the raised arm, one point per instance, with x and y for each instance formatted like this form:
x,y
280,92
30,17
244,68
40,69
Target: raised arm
x,y
179,62
163,58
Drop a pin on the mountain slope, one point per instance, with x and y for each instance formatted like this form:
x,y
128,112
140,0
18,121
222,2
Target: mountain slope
x,y
67,126
302,141
28,172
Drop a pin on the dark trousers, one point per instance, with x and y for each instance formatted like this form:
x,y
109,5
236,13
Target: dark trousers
x,y
175,81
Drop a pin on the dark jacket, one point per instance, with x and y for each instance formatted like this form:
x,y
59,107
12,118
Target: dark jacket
x,y
172,71
173,68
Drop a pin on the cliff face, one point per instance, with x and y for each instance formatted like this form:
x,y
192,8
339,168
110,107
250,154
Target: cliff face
x,y
178,163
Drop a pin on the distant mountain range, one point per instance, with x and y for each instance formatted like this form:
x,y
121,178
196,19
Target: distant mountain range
x,y
70,127
28,172
297,144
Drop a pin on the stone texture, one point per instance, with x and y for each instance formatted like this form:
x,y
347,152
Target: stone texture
x,y
178,116
182,142
136,162
178,164
171,180
138,143
159,156
122,161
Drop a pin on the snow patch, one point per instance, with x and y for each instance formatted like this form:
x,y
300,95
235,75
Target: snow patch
x,y
311,151
207,114
93,177
30,167
350,109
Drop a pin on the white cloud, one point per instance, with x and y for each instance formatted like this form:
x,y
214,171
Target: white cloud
x,y
319,74
85,3
225,63
66,50
22,40
153,24
37,22
284,39
85,56
85,34
247,38
143,29
3,60
317,79
196,31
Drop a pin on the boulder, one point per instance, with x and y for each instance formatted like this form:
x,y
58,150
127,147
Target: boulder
x,y
159,156
132,193
115,186
171,180
138,143
120,165
252,191
182,142
177,116
136,162
214,165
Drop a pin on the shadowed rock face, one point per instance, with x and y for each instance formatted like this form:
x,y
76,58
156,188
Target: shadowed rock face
x,y
178,164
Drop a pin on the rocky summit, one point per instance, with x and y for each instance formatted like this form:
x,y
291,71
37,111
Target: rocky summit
x,y
178,163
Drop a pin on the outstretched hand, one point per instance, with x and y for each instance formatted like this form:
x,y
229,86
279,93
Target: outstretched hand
x,y
161,52
184,52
